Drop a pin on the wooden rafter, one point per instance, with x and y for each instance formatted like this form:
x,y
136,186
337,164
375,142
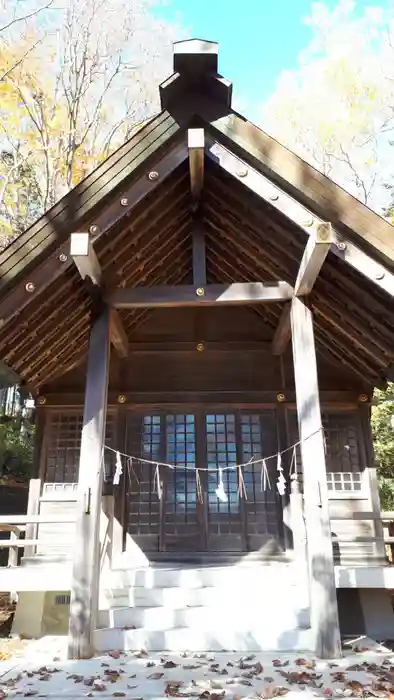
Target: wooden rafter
x,y
189,295
196,142
54,265
306,184
303,217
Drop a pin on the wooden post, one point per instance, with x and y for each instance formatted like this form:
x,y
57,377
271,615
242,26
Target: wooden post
x,y
33,505
85,578
323,598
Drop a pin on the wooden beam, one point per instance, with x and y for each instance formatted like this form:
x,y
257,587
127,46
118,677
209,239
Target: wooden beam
x,y
210,295
85,575
199,256
283,332
196,142
323,599
118,334
315,253
300,215
84,257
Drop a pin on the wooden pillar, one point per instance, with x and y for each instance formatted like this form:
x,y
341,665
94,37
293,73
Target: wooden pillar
x,y
323,598
85,577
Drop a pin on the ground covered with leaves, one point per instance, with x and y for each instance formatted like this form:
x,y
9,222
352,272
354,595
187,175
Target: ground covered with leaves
x,y
143,676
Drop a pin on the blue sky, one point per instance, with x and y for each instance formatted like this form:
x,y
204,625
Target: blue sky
x,y
258,38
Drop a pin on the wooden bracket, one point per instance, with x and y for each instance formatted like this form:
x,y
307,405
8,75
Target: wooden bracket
x,y
282,333
315,253
118,334
196,142
85,259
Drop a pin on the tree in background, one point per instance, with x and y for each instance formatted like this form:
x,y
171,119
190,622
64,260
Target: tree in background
x,y
337,109
76,79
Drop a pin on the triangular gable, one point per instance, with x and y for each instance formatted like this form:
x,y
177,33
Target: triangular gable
x,y
114,192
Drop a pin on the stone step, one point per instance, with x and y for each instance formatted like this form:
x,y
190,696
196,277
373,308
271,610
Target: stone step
x,y
177,597
237,614
227,638
281,575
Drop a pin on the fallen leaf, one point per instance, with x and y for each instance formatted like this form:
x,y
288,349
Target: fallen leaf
x,y
114,654
190,667
258,668
45,677
155,676
150,664
99,685
169,664
118,694
29,693
172,689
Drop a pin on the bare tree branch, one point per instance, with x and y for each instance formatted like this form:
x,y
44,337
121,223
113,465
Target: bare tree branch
x,y
24,18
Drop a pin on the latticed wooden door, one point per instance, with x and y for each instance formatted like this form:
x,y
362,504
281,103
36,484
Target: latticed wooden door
x,y
201,500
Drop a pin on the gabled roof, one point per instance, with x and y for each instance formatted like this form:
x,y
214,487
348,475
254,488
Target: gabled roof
x,y
259,204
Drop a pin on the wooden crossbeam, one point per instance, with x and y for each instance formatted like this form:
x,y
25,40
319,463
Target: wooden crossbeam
x,y
315,253
190,296
196,142
300,215
84,257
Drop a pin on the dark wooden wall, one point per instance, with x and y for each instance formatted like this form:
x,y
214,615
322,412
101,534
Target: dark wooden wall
x,y
173,368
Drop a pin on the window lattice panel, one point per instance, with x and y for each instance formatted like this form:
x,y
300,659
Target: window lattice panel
x,y
344,481
341,439
64,443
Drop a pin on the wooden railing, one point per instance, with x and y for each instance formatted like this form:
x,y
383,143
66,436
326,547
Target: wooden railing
x,y
17,525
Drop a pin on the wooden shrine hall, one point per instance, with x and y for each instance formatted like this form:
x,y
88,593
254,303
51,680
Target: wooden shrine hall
x,y
201,303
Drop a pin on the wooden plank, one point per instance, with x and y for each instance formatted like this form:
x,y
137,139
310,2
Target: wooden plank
x,y
188,295
315,253
338,400
303,217
84,257
118,334
195,143
34,518
54,265
283,332
323,600
85,576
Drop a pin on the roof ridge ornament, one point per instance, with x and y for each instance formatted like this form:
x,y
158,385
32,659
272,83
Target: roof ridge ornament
x,y
195,64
